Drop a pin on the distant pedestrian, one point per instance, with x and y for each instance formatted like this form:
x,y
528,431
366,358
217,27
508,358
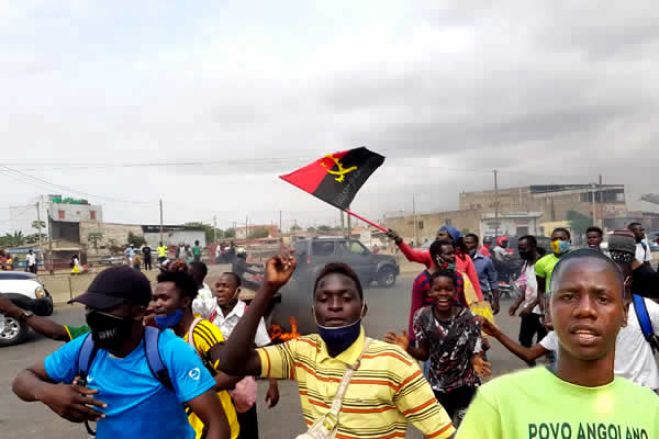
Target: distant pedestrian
x,y
162,253
196,252
130,254
146,253
643,253
31,262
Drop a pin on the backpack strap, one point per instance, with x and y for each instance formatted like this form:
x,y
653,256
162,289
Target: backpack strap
x,y
644,321
158,369
86,356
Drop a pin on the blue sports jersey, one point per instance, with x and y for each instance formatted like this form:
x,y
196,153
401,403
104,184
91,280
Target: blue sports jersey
x,y
138,404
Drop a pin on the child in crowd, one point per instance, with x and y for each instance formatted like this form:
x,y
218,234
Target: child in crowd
x,y
448,335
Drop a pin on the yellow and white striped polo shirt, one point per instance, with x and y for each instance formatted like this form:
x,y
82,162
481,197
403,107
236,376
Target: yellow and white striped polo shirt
x,y
386,392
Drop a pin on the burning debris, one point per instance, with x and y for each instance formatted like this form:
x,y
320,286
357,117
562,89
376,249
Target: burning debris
x,y
279,335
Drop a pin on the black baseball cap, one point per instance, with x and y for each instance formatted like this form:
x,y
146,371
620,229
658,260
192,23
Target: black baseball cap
x,y
114,286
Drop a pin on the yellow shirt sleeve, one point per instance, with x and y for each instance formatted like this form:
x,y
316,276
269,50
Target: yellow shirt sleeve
x,y
278,361
416,401
481,421
206,335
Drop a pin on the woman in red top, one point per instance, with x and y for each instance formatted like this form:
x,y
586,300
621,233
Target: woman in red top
x,y
463,262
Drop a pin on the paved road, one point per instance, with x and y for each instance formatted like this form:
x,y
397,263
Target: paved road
x,y
388,310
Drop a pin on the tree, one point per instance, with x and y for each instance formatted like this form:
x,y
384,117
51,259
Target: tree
x,y
136,240
311,229
38,225
578,222
295,228
258,232
95,239
230,233
324,228
15,239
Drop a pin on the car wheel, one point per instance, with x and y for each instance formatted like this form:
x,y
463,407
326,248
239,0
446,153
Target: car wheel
x,y
13,333
386,277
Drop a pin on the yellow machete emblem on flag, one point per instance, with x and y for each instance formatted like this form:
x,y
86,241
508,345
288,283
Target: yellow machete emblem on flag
x,y
340,172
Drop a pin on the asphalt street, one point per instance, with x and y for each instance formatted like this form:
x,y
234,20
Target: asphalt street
x,y
388,310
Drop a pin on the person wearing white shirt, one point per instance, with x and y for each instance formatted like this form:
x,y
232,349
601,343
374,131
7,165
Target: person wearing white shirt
x,y
643,253
31,261
225,311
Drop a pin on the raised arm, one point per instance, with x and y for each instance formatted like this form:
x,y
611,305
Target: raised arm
x,y
412,255
237,357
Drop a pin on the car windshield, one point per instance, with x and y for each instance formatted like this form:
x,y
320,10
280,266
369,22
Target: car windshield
x,y
12,275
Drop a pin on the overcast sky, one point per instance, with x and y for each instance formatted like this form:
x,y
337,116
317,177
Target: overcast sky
x,y
546,92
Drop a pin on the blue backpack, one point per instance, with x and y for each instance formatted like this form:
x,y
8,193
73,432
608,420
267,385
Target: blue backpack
x,y
151,338
644,321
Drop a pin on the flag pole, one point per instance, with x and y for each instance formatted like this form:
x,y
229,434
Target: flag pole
x,y
369,222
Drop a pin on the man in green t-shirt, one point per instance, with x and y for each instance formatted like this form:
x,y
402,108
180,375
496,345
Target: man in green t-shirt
x,y
544,267
580,397
42,325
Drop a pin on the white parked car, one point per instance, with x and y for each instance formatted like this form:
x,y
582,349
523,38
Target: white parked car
x,y
26,291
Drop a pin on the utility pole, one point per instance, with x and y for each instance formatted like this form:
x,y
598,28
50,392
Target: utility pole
x,y
39,227
349,221
161,220
343,223
281,231
592,198
496,204
214,229
601,201
246,228
416,235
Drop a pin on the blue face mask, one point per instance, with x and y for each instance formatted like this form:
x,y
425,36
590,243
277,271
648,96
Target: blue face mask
x,y
340,338
170,320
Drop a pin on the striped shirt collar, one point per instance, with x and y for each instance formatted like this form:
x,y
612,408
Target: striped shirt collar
x,y
349,356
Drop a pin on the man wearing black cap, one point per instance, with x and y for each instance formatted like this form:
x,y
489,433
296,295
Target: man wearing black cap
x,y
132,402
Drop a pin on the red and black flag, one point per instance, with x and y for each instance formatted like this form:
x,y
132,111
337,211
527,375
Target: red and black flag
x,y
337,177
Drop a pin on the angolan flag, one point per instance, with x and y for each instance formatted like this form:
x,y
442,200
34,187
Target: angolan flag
x,y
337,177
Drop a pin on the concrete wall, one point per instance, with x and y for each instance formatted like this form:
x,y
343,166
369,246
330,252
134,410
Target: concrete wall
x,y
427,224
117,232
75,212
177,237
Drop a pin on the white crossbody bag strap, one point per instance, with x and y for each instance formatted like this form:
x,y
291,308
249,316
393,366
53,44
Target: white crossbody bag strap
x,y
332,418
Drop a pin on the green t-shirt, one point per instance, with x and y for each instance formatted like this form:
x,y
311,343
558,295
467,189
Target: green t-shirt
x,y
535,404
544,267
76,331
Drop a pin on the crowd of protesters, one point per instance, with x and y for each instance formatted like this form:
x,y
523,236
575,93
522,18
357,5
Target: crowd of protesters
x,y
180,359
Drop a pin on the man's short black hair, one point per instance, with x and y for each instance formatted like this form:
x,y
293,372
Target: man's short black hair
x,y
235,277
533,242
199,267
183,281
445,273
339,268
474,236
595,229
564,230
436,247
634,224
585,253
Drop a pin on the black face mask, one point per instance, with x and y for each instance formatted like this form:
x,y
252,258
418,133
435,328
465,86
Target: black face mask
x,y
108,331
526,255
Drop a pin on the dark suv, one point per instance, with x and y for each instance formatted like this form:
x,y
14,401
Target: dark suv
x,y
313,253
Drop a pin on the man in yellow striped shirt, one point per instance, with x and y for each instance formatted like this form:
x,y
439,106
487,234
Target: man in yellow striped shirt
x,y
387,390
172,301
